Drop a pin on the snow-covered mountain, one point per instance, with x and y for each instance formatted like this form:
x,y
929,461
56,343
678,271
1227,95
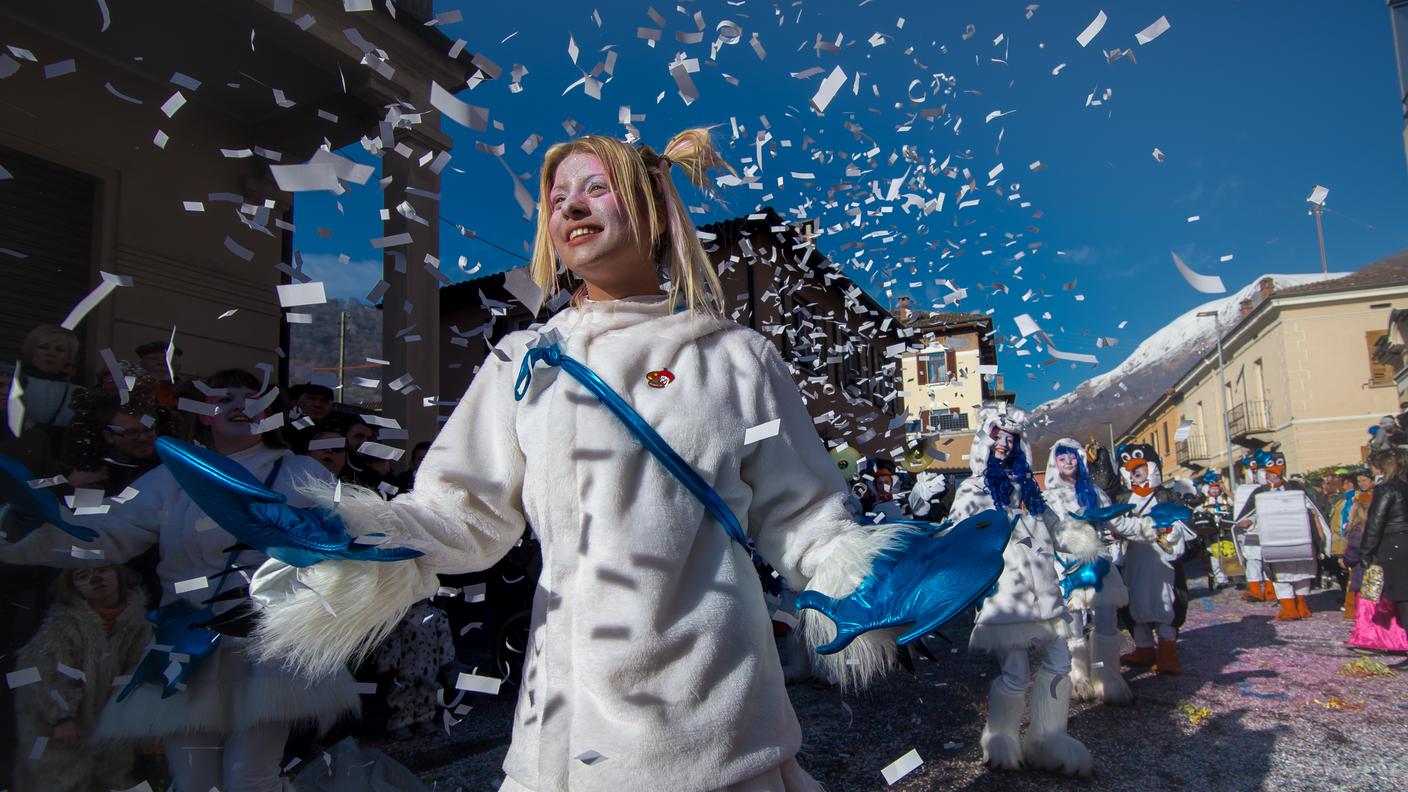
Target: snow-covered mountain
x,y
1119,395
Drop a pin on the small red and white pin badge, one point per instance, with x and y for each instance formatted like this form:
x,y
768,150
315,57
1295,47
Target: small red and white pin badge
x,y
659,379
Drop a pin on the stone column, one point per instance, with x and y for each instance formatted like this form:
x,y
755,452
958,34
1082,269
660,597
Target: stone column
x,y
411,306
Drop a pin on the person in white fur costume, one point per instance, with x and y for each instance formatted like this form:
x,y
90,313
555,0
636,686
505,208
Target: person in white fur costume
x,y
228,726
651,662
1026,610
1095,661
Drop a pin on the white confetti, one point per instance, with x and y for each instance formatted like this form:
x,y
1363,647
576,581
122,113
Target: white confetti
x,y
1148,34
1092,30
1207,284
901,767
762,431
22,677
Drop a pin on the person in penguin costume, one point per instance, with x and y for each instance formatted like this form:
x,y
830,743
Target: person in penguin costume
x,y
1290,579
1211,520
1027,609
1258,587
1095,661
1151,569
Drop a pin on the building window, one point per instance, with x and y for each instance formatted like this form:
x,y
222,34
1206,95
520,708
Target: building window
x,y
1380,374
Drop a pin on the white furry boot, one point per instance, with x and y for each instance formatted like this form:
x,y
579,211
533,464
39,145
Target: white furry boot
x,y
1002,748
1082,683
1047,746
1105,669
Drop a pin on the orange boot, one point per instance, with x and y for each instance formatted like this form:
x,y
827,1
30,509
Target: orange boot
x,y
1289,611
1253,592
1167,662
1141,656
1302,607
1351,601
1268,592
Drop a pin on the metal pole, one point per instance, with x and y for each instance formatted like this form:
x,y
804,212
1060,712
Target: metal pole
x,y
1111,426
1317,209
1222,395
341,356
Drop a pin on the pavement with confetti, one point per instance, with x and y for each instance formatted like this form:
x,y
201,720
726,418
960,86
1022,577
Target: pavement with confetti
x,y
1260,705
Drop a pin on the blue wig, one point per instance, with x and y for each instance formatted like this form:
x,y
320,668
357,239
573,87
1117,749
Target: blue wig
x,y
1085,489
998,477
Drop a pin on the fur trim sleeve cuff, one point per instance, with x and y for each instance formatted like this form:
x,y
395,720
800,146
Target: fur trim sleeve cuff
x,y
1078,540
317,618
845,565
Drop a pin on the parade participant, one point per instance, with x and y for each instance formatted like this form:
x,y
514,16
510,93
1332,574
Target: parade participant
x,y
1212,520
1157,602
651,662
1291,579
1095,662
1027,610
1258,586
223,717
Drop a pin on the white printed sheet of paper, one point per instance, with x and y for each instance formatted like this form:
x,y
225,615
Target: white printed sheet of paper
x,y
1283,524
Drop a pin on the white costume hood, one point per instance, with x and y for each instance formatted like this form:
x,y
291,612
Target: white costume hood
x,y
992,417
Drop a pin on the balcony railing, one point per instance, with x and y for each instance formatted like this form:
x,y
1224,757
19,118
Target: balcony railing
x,y
1194,449
1249,418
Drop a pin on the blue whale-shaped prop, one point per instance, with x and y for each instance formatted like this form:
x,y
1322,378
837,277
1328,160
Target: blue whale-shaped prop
x,y
1105,513
1090,574
927,580
1166,514
34,507
189,644
260,517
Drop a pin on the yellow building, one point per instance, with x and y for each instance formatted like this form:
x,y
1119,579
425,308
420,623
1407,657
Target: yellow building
x,y
1158,427
1300,376
949,371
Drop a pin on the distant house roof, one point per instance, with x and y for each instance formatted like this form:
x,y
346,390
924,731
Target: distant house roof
x,y
927,320
1389,271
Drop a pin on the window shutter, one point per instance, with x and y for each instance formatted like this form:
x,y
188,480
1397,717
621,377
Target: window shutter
x,y
924,420
1379,373
923,363
951,358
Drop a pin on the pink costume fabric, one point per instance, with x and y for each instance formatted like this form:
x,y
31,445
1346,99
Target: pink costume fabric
x,y
1375,627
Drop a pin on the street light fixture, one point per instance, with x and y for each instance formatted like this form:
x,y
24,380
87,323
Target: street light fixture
x,y
1222,396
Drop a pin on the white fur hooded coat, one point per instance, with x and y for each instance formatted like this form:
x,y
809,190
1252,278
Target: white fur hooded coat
x,y
651,645
1027,607
1061,498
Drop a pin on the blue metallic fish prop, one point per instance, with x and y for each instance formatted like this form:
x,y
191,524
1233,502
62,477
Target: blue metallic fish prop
x,y
261,517
34,507
930,578
1104,513
1090,574
1166,514
189,644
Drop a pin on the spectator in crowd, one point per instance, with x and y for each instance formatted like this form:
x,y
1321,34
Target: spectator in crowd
x,y
1387,434
112,445
409,663
1403,417
327,443
227,726
153,358
406,480
94,633
312,400
369,471
1385,539
1353,512
48,361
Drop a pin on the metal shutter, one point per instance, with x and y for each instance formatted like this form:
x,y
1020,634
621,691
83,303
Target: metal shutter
x,y
46,214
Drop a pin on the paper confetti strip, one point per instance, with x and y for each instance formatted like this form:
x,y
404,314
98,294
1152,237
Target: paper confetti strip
x,y
901,767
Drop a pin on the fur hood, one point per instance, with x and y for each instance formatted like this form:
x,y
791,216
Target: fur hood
x,y
992,417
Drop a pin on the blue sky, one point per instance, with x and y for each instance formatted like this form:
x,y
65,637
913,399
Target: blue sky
x,y
1251,102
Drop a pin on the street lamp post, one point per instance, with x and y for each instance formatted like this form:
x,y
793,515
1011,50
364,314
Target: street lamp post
x,y
1222,397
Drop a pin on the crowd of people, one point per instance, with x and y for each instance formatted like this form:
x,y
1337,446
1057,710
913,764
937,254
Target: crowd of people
x,y
77,632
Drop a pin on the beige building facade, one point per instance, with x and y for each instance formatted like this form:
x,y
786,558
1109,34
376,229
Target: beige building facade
x,y
947,374
1301,375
